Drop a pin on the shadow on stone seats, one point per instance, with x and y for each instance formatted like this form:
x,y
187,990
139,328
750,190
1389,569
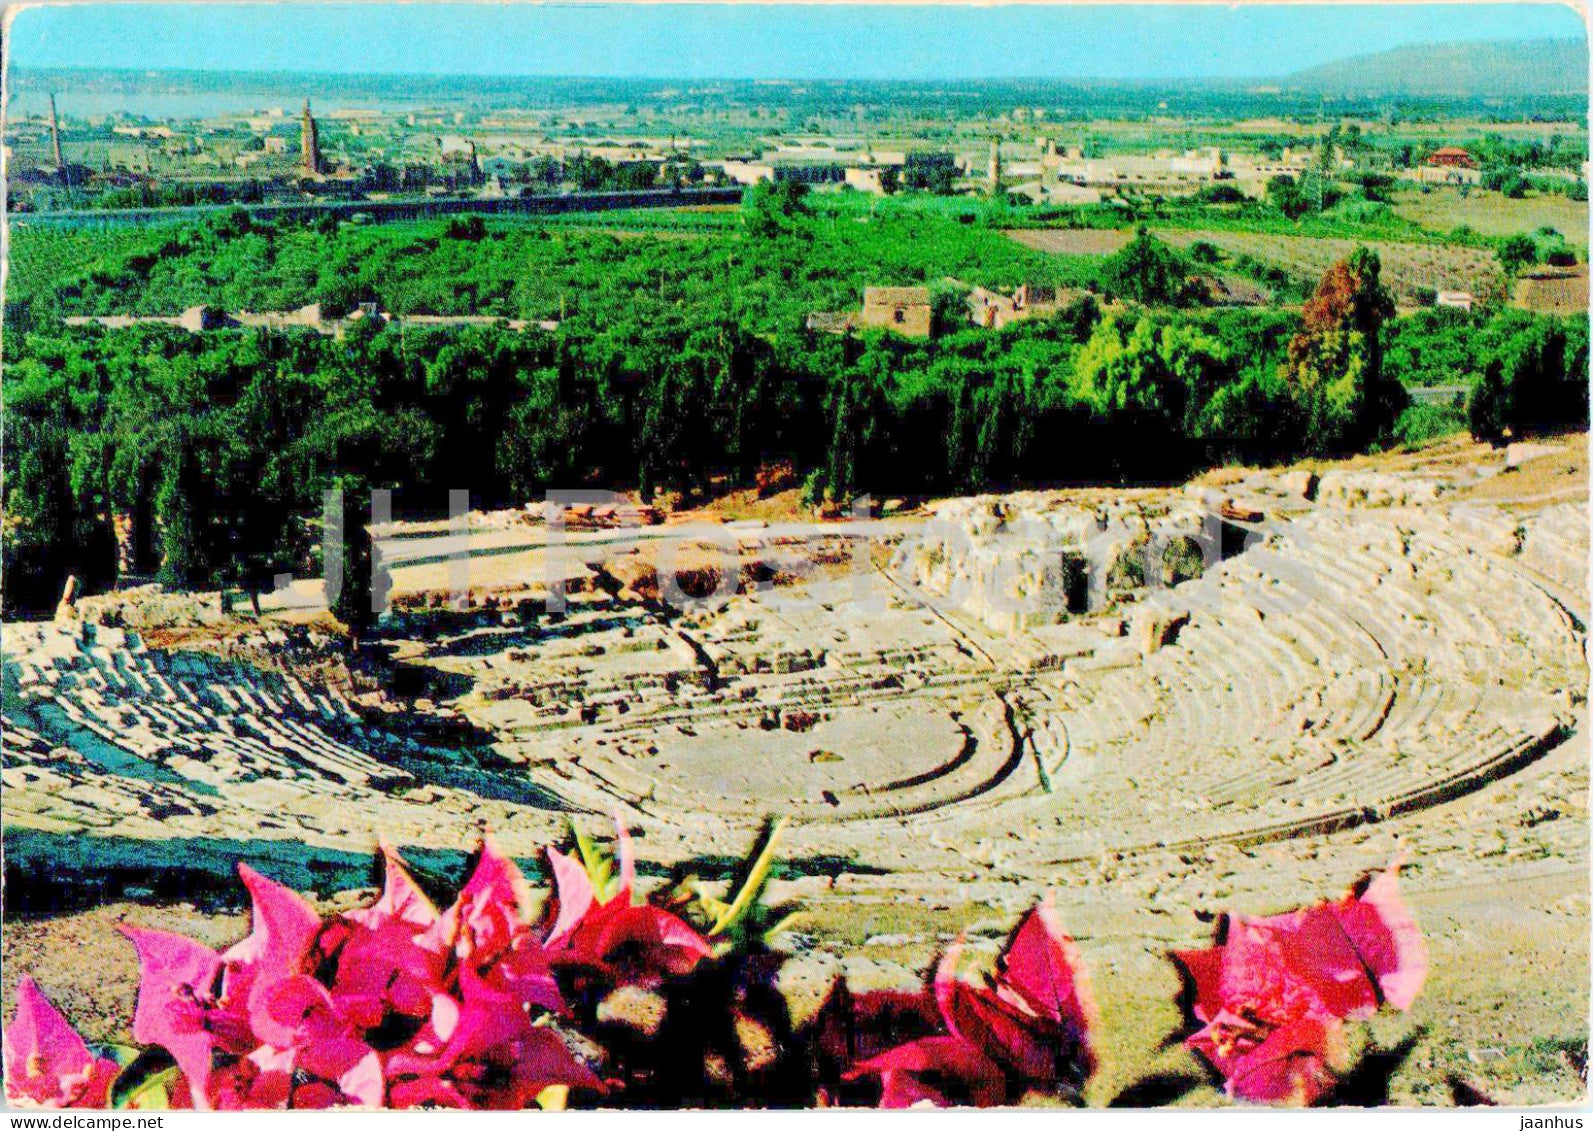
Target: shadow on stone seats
x,y
48,874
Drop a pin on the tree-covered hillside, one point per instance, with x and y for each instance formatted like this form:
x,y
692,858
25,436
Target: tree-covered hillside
x,y
682,364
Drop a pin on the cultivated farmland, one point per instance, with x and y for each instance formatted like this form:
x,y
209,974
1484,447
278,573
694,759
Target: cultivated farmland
x,y
1073,241
1494,214
1408,268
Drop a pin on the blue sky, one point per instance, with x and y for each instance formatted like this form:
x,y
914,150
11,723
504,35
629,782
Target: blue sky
x,y
758,40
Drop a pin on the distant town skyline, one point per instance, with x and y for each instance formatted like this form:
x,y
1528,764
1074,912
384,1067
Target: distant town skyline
x,y
731,41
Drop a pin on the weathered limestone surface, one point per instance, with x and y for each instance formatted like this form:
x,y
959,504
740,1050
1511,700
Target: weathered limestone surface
x,y
1381,667
1025,560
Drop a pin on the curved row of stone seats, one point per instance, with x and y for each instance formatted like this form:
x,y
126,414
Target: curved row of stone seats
x,y
1557,577
1353,689
1270,682
160,772
1347,790
1423,709
1504,750
1467,572
1217,687
1380,797
1554,543
222,717
56,788
1429,707
1459,627
1526,822
1549,794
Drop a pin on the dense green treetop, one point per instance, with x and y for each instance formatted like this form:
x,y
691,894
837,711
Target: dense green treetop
x,y
681,364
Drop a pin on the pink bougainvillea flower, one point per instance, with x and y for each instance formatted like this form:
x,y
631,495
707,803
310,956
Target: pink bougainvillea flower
x,y
1293,1063
852,1028
1043,969
493,908
983,1020
940,1071
283,931
428,1042
631,943
1387,941
578,894
1342,959
638,945
336,1072
572,894
1273,994
907,1089
179,1008
263,1079
385,963
1035,1017
282,927
1028,1028
385,971
401,900
300,1011
526,974
483,1052
46,1063
425,1092
321,1063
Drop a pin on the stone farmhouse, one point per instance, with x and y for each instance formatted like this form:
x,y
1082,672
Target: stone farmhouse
x,y
904,310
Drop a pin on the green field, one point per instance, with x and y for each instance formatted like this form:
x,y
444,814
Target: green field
x,y
1492,214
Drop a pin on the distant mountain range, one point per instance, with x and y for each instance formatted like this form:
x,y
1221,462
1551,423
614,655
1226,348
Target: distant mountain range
x,y
1543,76
1501,69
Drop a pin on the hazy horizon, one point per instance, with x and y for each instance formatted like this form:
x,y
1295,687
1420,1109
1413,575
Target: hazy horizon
x,y
705,42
